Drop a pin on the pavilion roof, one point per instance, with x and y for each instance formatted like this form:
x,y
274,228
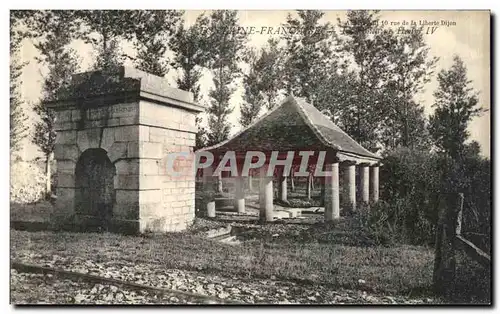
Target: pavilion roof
x,y
294,125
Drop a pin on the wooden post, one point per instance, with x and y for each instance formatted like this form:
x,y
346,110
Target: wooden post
x,y
449,222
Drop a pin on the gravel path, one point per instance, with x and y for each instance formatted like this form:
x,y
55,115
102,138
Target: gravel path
x,y
34,288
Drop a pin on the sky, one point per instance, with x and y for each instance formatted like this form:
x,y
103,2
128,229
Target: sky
x,y
466,33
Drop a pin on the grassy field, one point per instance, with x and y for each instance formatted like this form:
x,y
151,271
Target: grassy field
x,y
306,253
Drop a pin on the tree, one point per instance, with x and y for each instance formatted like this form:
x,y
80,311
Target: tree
x,y
191,48
153,30
252,97
18,118
310,56
226,46
263,82
455,106
270,67
411,69
366,42
56,30
103,29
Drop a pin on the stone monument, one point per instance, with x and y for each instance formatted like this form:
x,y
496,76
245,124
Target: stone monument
x,y
114,132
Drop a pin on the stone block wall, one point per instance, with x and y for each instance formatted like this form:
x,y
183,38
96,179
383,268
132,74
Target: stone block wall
x,y
138,123
169,203
145,194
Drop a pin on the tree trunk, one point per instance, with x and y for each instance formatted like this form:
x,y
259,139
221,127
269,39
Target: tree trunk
x,y
450,208
48,176
292,181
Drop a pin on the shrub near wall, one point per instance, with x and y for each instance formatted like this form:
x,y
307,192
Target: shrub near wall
x,y
27,182
411,183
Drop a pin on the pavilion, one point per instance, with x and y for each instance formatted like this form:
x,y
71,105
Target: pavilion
x,y
297,126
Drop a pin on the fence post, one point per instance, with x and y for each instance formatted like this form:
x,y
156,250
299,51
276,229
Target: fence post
x,y
448,226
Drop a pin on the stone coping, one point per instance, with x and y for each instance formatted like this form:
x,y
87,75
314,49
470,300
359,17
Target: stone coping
x,y
96,88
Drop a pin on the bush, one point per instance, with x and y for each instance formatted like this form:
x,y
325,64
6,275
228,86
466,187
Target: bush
x,y
27,182
412,182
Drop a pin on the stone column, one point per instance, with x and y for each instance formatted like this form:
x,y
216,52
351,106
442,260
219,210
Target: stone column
x,y
266,195
250,181
364,176
350,182
208,179
374,193
239,194
283,187
219,183
332,200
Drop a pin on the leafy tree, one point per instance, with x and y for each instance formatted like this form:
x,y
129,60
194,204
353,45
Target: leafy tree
x,y
226,47
252,97
263,82
55,31
191,48
153,30
412,68
18,118
103,29
270,67
310,56
456,104
366,42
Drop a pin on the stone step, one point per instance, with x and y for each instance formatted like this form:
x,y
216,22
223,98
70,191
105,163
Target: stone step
x,y
288,213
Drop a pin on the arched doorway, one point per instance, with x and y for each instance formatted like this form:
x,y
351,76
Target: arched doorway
x,y
95,194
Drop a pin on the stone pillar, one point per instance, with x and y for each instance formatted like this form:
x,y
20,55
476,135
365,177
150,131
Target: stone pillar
x,y
208,187
208,179
332,201
283,188
219,183
364,176
266,195
350,185
210,209
250,182
239,194
374,193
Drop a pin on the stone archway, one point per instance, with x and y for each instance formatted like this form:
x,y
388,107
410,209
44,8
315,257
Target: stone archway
x,y
94,182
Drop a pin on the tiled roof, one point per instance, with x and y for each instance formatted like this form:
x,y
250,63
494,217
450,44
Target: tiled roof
x,y
293,125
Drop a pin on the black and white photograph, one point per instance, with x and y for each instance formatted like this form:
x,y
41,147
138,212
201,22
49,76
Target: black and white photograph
x,y
250,157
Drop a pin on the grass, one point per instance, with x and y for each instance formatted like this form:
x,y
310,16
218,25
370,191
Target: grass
x,y
278,250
